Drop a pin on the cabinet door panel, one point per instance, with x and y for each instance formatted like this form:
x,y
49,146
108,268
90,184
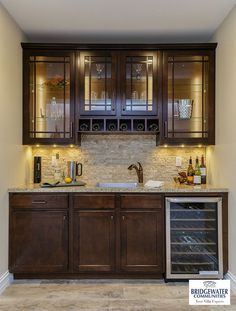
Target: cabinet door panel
x,y
189,96
94,245
98,83
139,83
38,241
142,241
48,97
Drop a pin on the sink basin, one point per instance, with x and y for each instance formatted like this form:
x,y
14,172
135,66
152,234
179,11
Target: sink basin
x,y
117,185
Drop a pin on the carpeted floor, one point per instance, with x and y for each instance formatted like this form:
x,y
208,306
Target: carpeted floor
x,y
100,295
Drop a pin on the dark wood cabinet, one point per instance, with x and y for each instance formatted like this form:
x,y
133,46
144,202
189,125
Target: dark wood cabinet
x,y
163,89
94,241
98,83
38,241
189,97
142,241
90,235
38,235
48,105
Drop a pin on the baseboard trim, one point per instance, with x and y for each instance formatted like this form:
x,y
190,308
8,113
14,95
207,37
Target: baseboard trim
x,y
5,280
232,278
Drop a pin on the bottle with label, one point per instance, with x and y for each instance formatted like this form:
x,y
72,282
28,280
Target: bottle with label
x,y
203,171
190,172
197,174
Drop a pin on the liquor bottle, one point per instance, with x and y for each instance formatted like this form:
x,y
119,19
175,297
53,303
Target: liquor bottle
x,y
197,174
203,171
190,172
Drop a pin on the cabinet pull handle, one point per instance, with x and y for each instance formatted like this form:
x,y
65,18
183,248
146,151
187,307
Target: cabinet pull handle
x,y
64,217
112,217
71,129
165,129
123,102
123,217
39,202
113,102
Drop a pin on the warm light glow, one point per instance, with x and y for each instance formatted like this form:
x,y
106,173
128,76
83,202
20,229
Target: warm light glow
x,y
199,146
71,146
165,146
37,146
54,146
182,146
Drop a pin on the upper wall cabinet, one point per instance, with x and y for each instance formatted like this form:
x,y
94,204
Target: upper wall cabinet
x,y
97,75
48,97
118,83
139,83
188,97
167,90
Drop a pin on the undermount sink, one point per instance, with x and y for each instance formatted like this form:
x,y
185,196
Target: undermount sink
x,y
117,185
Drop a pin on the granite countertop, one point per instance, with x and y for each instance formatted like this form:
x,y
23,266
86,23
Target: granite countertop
x,y
166,188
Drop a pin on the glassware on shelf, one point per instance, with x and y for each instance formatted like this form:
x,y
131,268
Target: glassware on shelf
x,y
99,68
138,70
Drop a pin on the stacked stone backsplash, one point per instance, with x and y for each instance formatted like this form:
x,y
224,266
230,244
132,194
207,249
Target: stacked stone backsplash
x,y
106,158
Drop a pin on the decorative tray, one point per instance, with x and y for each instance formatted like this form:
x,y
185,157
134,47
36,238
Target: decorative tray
x,y
59,184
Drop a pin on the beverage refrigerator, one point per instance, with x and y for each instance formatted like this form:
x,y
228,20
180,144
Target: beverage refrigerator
x,y
194,238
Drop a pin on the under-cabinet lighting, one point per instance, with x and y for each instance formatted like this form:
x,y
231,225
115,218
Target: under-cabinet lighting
x,y
165,146
54,146
71,146
182,146
200,146
37,146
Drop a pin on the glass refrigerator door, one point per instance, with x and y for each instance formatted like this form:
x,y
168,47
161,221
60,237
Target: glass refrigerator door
x,y
194,234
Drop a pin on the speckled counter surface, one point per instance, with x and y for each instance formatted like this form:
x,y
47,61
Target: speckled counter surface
x,y
166,188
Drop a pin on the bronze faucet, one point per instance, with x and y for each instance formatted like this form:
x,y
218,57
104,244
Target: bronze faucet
x,y
139,171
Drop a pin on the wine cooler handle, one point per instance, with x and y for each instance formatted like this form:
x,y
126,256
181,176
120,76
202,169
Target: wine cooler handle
x,y
165,129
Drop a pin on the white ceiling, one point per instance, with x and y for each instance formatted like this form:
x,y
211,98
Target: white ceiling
x,y
131,21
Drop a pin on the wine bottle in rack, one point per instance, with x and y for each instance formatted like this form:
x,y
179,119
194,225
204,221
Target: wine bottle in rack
x,y
153,127
140,127
96,127
123,126
112,126
84,127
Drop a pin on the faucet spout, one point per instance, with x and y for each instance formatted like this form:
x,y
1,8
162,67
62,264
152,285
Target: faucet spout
x,y
139,171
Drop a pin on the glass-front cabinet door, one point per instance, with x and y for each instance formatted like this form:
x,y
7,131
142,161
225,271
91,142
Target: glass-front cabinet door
x,y
139,83
98,83
188,99
49,100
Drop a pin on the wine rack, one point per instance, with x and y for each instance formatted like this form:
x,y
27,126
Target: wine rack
x,y
118,126
194,238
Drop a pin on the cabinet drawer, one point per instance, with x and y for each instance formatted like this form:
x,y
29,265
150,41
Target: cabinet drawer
x,y
94,201
55,200
141,201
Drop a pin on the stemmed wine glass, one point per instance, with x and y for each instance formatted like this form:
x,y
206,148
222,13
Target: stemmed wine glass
x,y
99,68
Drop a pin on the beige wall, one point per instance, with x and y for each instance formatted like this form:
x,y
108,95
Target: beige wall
x,y
13,155
222,157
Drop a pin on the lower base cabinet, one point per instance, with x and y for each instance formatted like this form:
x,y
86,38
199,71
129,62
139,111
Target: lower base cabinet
x,y
38,241
60,235
94,241
142,241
